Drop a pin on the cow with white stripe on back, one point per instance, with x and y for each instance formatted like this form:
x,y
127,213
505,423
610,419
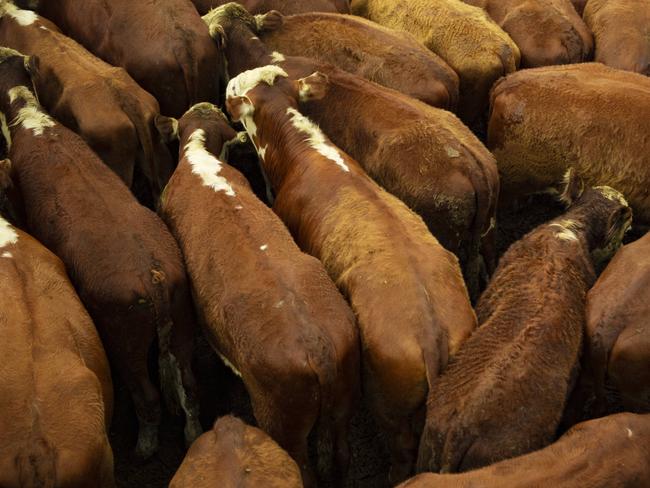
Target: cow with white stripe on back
x,y
407,291
269,310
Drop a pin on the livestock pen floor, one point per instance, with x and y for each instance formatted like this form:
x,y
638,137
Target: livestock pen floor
x,y
223,393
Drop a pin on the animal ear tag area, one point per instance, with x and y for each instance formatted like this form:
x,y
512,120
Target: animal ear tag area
x,y
238,107
270,21
574,186
312,87
167,128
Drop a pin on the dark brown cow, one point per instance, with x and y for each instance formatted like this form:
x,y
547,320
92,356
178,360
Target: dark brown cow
x,y
236,455
124,263
390,58
287,7
504,394
618,331
56,396
163,45
405,288
621,32
547,32
101,103
588,117
464,36
611,452
269,311
423,155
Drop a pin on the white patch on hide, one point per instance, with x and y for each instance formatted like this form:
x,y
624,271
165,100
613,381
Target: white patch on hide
x,y
205,165
31,115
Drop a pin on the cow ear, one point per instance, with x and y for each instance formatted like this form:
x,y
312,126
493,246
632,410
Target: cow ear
x,y
312,87
573,186
269,21
238,107
32,65
167,128
218,35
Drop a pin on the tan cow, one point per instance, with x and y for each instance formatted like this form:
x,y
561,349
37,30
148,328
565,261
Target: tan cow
x,y
622,33
617,335
423,155
269,310
236,455
505,391
588,117
390,58
98,101
611,452
464,36
287,7
56,396
125,265
547,32
407,292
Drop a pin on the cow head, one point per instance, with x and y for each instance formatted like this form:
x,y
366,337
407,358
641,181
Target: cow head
x,y
212,121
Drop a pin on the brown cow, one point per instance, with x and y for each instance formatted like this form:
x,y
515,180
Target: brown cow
x,y
621,32
584,116
236,455
269,310
547,32
163,45
423,155
618,332
405,288
122,260
611,452
505,392
101,103
56,396
463,35
390,58
287,7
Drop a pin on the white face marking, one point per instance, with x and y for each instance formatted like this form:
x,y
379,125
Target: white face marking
x,y
5,130
277,57
31,115
629,433
264,247
205,164
611,194
567,230
316,138
23,17
244,82
7,235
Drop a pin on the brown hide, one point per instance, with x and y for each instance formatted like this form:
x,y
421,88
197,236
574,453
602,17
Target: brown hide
x,y
173,58
513,375
423,155
586,116
390,58
405,288
611,452
579,5
267,308
287,7
56,395
464,36
621,32
236,455
101,103
122,260
547,32
618,332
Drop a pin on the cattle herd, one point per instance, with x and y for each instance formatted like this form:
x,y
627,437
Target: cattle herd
x,y
332,234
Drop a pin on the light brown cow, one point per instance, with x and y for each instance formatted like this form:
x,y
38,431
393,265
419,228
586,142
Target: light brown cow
x,y
618,331
405,288
611,452
287,7
163,45
56,395
622,33
585,116
547,32
121,258
464,36
269,310
101,103
236,455
504,394
390,58
423,155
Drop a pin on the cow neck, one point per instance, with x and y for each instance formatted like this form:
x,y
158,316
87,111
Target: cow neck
x,y
244,50
212,142
22,110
